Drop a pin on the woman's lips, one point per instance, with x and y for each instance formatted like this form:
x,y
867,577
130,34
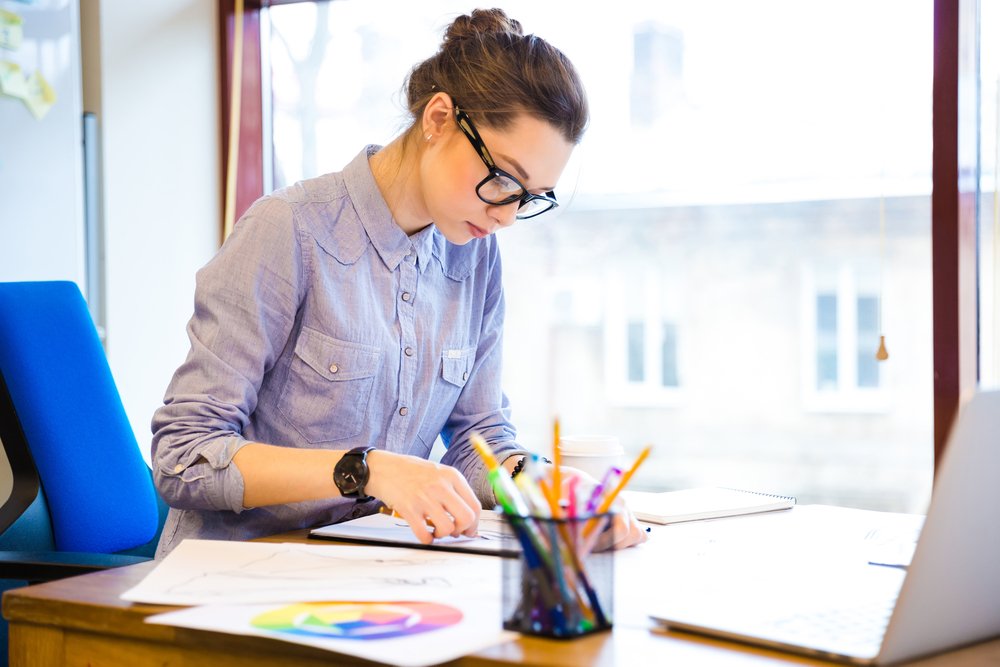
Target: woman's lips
x,y
476,231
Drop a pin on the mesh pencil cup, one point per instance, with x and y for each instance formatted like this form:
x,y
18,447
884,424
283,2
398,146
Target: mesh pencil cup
x,y
559,586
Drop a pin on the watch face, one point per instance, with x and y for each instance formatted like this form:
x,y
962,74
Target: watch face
x,y
350,475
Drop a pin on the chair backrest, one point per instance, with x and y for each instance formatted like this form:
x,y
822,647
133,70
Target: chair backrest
x,y
96,484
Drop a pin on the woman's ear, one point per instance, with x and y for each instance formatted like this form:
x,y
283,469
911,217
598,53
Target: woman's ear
x,y
437,116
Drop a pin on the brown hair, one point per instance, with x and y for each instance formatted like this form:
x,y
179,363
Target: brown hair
x,y
495,72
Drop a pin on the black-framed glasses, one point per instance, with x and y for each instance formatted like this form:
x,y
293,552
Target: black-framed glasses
x,y
500,188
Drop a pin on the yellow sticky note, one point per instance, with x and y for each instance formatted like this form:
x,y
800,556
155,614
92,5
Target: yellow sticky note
x,y
12,81
11,30
40,97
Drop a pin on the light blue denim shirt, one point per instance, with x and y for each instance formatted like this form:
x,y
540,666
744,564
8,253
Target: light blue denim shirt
x,y
321,324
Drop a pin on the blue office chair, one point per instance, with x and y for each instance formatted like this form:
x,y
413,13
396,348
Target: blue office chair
x,y
82,497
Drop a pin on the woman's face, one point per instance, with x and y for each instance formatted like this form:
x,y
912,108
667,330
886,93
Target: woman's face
x,y
531,150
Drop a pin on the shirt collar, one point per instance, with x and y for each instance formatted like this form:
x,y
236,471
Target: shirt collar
x,y
388,238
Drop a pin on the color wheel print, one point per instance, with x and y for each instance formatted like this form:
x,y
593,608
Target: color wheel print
x,y
358,620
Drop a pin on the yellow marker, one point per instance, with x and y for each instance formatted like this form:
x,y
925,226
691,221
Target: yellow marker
x,y
503,486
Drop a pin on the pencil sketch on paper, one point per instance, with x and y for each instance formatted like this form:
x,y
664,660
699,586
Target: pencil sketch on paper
x,y
206,571
294,569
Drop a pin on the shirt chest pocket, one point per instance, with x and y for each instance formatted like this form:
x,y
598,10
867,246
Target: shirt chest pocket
x,y
456,365
329,386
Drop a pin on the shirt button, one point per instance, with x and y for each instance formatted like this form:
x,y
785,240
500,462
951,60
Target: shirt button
x,y
406,296
408,258
178,467
403,411
334,368
408,351
465,376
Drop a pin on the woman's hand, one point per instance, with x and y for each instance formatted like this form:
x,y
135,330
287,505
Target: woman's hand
x,y
423,492
625,531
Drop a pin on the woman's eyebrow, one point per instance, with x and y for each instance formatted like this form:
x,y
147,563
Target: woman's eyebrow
x,y
522,173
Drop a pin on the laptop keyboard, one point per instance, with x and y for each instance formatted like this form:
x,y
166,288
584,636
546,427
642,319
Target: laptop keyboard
x,y
856,626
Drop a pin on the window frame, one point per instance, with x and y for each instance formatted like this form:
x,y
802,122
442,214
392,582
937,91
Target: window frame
x,y
955,168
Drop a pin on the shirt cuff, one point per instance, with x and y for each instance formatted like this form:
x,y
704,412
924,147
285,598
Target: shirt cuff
x,y
203,477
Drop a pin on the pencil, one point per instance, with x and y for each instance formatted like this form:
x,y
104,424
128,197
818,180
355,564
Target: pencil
x,y
385,509
610,497
556,463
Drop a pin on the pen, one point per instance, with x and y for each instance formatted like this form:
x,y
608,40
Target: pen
x,y
595,495
571,507
385,509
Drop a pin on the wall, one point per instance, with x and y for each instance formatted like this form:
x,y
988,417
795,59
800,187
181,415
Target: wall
x,y
151,75
41,160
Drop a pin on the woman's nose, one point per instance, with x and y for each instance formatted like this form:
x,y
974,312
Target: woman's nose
x,y
505,215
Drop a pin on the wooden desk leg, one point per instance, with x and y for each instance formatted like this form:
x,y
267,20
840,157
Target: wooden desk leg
x,y
36,645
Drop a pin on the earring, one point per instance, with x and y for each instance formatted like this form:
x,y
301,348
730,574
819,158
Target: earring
x,y
428,137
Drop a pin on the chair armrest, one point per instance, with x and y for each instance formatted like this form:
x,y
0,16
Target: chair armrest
x,y
36,566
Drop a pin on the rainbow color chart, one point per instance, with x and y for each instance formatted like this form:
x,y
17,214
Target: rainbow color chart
x,y
358,620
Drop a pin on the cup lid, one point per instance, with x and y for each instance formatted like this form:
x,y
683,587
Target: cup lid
x,y
590,445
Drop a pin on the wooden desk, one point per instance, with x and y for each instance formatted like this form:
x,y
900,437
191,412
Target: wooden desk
x,y
80,621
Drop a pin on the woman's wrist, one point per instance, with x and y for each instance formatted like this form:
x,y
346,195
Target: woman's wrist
x,y
379,469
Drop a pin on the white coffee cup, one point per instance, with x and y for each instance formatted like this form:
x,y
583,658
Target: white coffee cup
x,y
593,454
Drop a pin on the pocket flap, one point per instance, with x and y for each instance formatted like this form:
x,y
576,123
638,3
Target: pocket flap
x,y
336,360
456,365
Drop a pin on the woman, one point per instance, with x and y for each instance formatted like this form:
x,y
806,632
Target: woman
x,y
352,318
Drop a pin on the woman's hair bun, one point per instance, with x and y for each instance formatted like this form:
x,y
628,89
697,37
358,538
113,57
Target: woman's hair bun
x,y
481,22
497,72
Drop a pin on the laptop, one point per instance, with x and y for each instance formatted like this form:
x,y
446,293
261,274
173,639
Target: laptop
x,y
949,595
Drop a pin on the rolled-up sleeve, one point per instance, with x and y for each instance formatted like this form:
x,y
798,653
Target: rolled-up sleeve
x,y
482,406
245,304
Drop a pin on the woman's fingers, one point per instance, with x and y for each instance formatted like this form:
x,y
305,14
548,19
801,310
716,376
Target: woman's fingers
x,y
423,492
625,531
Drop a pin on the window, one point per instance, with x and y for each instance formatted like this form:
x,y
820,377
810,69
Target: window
x,y
868,339
640,328
657,72
841,330
725,154
826,342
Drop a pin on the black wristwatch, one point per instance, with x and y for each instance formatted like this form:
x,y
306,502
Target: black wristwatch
x,y
351,474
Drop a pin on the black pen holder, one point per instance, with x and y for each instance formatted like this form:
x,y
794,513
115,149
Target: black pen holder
x,y
562,583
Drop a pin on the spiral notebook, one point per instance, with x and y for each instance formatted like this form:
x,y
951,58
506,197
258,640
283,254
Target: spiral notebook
x,y
709,502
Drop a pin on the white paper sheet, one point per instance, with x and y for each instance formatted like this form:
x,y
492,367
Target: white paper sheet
x,y
214,572
479,627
